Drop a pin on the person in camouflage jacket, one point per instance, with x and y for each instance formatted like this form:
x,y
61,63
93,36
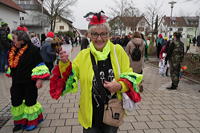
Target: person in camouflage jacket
x,y
175,55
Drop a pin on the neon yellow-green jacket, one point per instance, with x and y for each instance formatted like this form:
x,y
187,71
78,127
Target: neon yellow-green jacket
x,y
83,69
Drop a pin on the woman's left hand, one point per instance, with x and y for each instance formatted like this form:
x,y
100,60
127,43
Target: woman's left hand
x,y
113,86
39,83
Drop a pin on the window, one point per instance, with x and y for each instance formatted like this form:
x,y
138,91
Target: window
x,y
142,23
140,29
61,27
21,18
24,2
180,29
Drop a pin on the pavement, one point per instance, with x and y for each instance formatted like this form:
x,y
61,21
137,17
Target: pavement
x,y
193,49
160,111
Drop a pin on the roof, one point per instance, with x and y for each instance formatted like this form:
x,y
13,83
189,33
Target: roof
x,y
182,21
11,4
82,31
192,21
66,20
130,21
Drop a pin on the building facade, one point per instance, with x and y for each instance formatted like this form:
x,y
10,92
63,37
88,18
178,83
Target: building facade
x,y
127,25
188,26
63,25
36,17
10,13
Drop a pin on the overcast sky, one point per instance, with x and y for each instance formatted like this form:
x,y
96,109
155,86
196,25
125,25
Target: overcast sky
x,y
82,7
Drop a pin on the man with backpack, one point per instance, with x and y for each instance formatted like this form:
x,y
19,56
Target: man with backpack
x,y
135,50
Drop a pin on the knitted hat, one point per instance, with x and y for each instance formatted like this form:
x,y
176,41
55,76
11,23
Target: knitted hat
x,y
50,34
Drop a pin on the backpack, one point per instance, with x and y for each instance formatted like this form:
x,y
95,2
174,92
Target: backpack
x,y
136,53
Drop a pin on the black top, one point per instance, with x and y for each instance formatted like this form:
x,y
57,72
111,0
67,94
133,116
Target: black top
x,y
29,60
98,101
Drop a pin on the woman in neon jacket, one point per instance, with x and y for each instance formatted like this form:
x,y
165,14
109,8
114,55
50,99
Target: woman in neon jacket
x,y
113,65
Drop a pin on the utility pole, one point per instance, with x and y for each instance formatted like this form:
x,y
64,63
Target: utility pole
x,y
172,6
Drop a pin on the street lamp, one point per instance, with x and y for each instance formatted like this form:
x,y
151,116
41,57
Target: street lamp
x,y
172,6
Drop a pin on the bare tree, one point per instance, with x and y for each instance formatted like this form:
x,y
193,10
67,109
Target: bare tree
x,y
122,8
58,8
154,15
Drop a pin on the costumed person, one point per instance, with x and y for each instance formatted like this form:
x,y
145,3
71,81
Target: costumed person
x,y
159,44
164,66
27,71
135,49
56,46
175,55
5,44
35,40
112,75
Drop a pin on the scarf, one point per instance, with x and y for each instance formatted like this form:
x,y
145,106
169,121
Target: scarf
x,y
101,55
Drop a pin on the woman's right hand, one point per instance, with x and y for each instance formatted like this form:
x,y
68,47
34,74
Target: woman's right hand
x,y
63,56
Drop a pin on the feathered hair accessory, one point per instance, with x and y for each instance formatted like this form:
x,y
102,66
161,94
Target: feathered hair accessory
x,y
22,28
97,18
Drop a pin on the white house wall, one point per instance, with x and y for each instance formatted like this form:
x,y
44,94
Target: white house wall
x,y
34,17
34,21
61,23
30,15
9,16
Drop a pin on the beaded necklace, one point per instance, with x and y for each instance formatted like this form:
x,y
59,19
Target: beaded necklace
x,y
13,59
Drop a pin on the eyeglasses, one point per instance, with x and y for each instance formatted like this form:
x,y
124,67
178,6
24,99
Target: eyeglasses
x,y
95,35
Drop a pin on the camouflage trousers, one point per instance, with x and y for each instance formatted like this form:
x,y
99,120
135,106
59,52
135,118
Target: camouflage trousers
x,y
175,72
